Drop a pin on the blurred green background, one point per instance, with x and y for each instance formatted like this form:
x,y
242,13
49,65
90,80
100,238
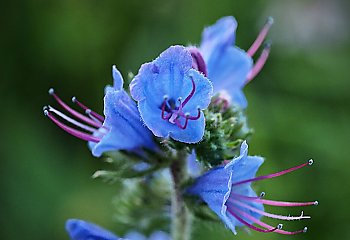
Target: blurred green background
x,y
298,105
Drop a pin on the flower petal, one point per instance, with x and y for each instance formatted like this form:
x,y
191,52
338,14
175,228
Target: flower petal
x,y
82,230
218,37
123,125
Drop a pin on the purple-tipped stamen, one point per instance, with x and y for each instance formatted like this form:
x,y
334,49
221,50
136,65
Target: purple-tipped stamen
x,y
71,120
72,131
282,203
72,111
262,224
308,163
233,211
88,110
165,117
191,93
187,115
261,37
270,215
259,63
198,62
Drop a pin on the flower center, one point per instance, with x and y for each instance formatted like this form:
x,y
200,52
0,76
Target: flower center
x,y
172,111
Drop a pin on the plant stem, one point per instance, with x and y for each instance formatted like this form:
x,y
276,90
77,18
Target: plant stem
x,y
181,218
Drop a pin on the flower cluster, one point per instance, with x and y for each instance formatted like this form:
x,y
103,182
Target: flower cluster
x,y
182,117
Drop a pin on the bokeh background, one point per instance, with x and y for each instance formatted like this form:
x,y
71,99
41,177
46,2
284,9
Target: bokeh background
x,y
298,105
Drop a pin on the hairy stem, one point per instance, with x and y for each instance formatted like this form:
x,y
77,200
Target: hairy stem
x,y
181,218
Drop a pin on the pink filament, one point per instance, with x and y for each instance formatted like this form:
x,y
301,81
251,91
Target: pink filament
x,y
94,114
259,64
232,212
284,204
72,131
72,121
262,224
272,175
261,37
73,112
270,215
191,93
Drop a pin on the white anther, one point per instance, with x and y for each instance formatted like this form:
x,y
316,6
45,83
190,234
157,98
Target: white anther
x,y
311,162
88,111
165,97
316,203
270,20
280,226
262,194
51,91
305,229
46,112
74,99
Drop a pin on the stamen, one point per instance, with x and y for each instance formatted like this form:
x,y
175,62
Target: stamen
x,y
259,40
163,110
177,122
94,114
262,224
193,117
270,215
71,120
276,203
274,174
270,229
191,93
72,111
72,131
259,63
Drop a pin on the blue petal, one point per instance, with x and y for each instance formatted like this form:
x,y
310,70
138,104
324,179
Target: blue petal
x,y
159,235
230,71
82,230
244,166
124,126
134,236
163,76
218,37
117,79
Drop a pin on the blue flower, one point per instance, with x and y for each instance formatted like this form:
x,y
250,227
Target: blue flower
x,y
171,96
82,230
226,65
227,191
120,129
122,121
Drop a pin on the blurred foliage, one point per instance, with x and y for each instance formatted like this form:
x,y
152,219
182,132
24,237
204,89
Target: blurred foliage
x,y
298,106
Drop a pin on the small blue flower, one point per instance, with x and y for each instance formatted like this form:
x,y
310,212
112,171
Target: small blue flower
x,y
122,127
228,66
171,96
227,191
82,230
